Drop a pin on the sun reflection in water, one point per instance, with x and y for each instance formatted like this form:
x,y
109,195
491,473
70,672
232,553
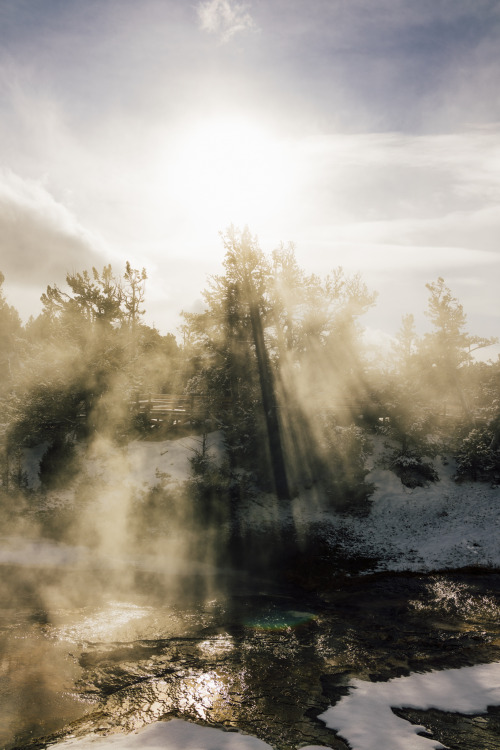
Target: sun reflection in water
x,y
218,646
203,692
197,695
447,595
108,623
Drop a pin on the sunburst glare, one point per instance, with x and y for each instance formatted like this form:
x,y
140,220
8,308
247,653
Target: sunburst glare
x,y
229,167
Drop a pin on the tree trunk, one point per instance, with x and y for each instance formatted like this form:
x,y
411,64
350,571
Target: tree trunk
x,y
269,404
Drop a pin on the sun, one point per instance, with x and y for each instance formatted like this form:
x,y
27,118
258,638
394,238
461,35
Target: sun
x,y
230,170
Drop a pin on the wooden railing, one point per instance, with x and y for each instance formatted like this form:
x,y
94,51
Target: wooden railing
x,y
160,405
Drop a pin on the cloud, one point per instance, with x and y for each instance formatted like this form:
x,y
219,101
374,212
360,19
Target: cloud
x,y
41,239
436,189
225,18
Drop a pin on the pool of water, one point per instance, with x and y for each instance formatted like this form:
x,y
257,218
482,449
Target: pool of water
x,y
263,657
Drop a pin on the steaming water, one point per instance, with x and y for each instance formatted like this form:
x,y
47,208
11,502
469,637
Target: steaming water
x,y
257,657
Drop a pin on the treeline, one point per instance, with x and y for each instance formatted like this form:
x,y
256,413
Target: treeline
x,y
279,364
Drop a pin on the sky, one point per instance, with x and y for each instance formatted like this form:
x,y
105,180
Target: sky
x,y
366,132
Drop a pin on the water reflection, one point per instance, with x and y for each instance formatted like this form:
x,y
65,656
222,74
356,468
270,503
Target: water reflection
x,y
194,693
205,691
459,598
267,665
217,646
37,684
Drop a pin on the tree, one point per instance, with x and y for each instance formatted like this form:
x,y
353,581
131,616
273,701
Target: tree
x,y
249,260
93,298
10,334
13,347
410,426
88,353
427,374
133,294
449,347
405,346
476,444
275,337
237,366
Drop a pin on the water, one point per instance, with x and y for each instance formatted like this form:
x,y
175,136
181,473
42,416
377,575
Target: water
x,y
266,658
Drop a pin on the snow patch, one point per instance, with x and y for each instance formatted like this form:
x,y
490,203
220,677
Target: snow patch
x,y
364,717
174,735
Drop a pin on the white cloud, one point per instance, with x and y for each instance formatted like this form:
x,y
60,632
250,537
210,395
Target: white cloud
x,y
41,238
224,17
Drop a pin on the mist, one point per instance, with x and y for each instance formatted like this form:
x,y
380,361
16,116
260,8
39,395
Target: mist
x,y
150,484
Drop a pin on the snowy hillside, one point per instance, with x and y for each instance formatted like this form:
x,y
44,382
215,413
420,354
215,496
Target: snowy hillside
x,y
443,525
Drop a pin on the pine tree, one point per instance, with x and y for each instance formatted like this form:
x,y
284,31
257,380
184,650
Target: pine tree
x,y
449,347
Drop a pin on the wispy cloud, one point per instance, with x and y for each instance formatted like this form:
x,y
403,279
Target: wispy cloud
x,y
224,18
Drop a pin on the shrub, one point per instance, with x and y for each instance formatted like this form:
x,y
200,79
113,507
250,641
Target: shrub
x,y
410,467
476,457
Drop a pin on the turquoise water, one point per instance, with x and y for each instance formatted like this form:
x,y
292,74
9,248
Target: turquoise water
x,y
278,619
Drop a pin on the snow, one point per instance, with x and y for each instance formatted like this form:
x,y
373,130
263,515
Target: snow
x,y
440,526
140,461
169,456
364,717
443,525
173,735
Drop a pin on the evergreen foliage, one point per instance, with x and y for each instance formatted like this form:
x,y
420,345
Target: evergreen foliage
x,y
277,363
477,457
268,337
348,448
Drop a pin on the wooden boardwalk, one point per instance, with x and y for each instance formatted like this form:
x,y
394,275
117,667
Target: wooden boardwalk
x,y
161,407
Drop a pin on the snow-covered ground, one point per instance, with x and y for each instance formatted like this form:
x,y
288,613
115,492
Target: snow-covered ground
x,y
443,525
440,526
174,735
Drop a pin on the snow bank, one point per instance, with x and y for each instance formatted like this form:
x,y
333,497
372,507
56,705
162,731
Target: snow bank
x,y
174,735
364,717
440,526
443,525
140,461
168,456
